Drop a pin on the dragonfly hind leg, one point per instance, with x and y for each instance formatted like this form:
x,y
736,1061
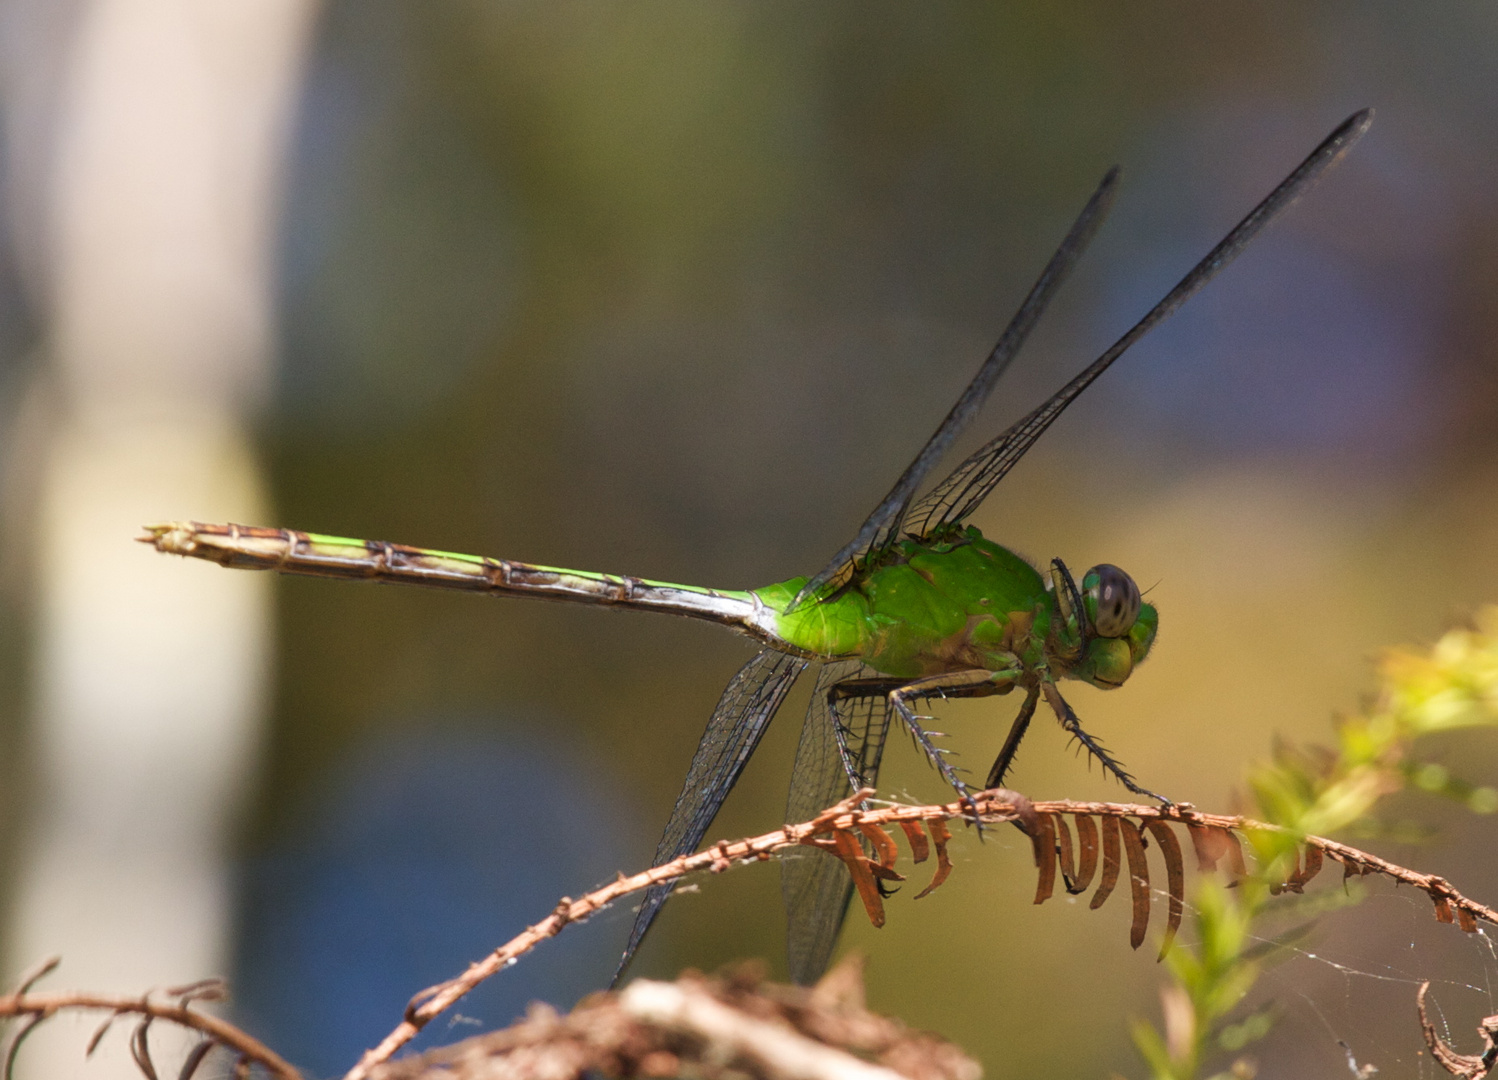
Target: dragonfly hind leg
x,y
900,693
1073,727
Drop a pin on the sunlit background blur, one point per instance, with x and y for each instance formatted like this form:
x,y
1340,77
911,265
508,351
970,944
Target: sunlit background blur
x,y
676,289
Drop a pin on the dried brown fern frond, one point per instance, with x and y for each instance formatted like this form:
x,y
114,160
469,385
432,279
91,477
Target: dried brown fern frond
x,y
1074,841
1124,844
1109,836
31,1010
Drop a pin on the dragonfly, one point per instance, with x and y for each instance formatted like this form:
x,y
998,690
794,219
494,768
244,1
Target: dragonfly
x,y
919,605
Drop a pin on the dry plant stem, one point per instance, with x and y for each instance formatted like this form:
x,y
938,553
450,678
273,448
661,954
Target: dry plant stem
x,y
996,806
41,1006
735,1026
778,1050
1462,1066
430,1003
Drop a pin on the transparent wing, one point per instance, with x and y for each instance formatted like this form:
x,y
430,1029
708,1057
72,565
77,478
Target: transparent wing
x,y
815,885
743,713
884,523
964,490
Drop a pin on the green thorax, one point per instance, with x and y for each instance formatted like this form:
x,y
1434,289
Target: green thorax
x,y
927,607
953,603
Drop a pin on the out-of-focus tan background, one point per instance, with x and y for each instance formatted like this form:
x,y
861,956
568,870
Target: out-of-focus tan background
x,y
676,290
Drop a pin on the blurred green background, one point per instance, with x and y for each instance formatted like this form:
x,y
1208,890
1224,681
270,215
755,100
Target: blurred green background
x,y
676,289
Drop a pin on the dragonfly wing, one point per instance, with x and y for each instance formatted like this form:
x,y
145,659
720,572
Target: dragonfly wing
x,y
744,711
816,886
964,490
884,523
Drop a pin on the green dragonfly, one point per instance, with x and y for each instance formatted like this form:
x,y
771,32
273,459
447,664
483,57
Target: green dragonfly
x,y
918,605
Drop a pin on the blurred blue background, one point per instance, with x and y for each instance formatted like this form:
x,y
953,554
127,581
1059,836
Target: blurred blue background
x,y
419,847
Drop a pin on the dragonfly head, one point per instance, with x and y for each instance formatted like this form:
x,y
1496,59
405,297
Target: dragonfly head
x,y
1123,628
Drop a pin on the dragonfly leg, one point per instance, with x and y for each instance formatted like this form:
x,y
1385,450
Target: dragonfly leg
x,y
1070,601
1011,743
851,690
977,682
1073,727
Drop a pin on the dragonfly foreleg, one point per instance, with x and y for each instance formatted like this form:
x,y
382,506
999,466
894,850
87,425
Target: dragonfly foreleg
x,y
1073,727
1073,612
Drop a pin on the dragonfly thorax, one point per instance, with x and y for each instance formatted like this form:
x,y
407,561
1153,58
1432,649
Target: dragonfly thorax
x,y
961,602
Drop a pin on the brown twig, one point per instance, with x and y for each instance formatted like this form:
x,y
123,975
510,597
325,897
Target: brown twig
x,y
37,1008
1462,1066
430,1003
998,805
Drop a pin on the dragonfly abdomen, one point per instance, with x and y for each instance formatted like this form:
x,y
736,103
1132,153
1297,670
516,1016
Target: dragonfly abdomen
x,y
288,551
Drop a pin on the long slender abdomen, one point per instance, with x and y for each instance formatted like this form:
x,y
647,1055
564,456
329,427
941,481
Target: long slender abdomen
x,y
289,552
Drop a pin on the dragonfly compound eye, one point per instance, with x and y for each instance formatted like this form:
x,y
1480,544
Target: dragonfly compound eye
x,y
1112,600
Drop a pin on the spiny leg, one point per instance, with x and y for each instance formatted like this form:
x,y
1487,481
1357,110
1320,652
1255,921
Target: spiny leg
x,y
976,682
852,690
1069,599
1011,743
1073,727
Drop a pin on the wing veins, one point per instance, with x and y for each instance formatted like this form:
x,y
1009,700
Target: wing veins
x,y
816,887
890,513
971,482
743,713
